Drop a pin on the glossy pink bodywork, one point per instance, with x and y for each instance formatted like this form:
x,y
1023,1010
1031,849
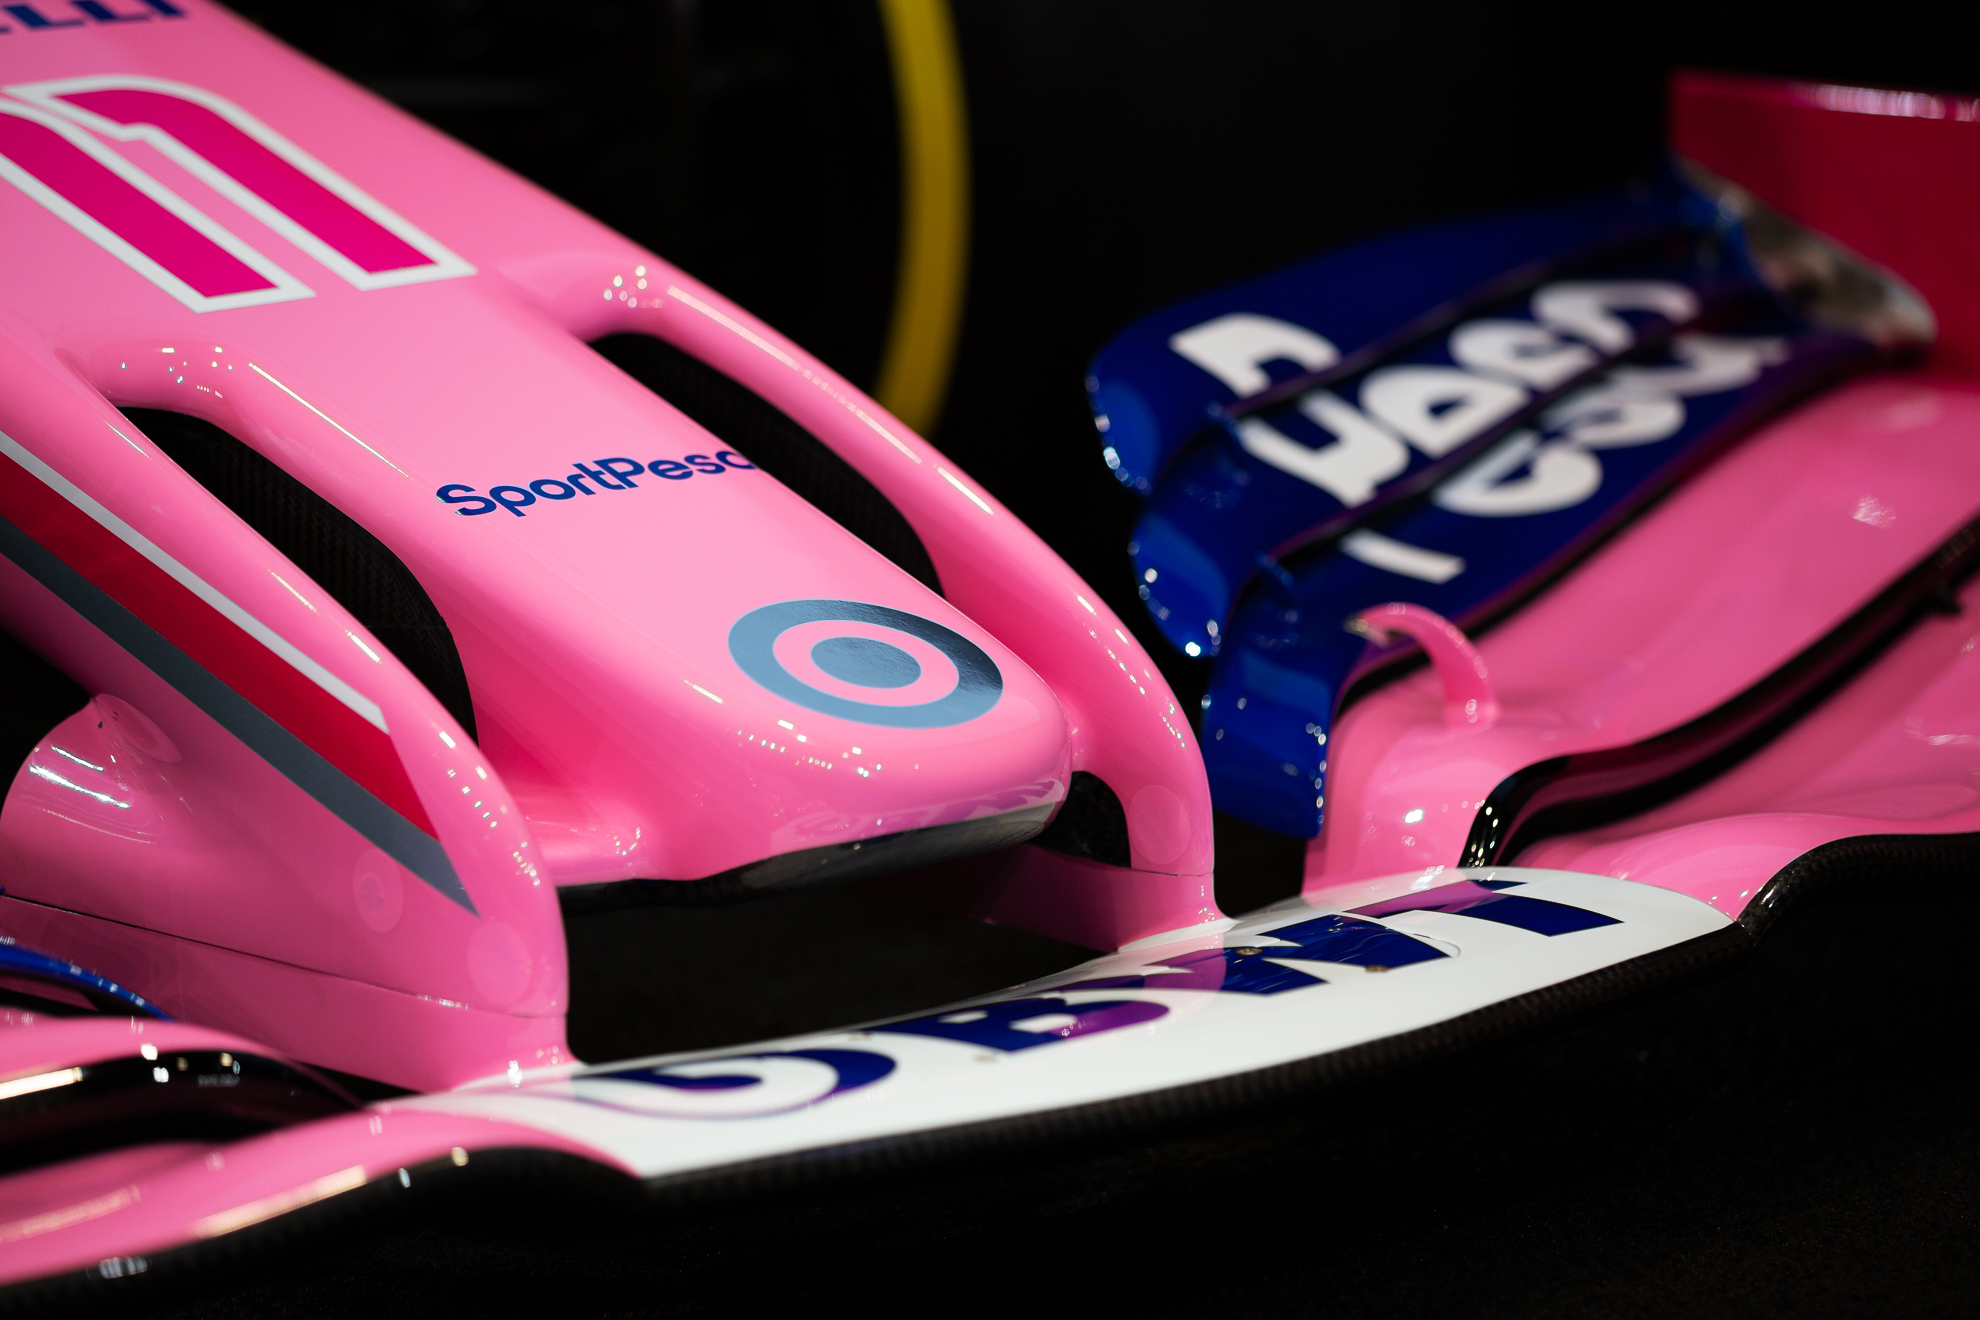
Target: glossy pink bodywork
x,y
617,737
1731,575
107,1213
1860,485
1469,701
1743,567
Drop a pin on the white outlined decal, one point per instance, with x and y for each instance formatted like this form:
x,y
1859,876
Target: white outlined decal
x,y
143,223
259,170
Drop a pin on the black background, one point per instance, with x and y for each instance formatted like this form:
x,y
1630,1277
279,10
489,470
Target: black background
x,y
1795,1138
1126,153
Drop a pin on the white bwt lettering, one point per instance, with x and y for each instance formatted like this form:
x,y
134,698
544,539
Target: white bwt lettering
x,y
1437,409
1521,351
1603,418
1235,349
1362,457
1587,308
1559,475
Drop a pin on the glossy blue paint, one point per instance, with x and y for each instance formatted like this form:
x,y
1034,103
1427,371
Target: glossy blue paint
x,y
1578,413
1251,969
1482,900
1147,401
29,965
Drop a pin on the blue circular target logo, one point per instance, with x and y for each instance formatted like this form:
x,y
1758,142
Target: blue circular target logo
x,y
866,663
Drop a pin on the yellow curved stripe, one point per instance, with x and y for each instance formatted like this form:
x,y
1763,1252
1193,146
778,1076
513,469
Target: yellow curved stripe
x,y
934,252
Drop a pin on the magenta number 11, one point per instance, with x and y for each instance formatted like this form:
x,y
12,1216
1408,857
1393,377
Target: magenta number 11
x,y
52,148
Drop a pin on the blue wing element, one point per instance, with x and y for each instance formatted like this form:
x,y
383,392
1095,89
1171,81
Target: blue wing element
x,y
1448,418
1487,538
1307,458
1148,399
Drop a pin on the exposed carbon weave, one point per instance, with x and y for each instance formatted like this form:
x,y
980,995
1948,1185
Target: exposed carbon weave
x,y
1090,824
1908,859
339,555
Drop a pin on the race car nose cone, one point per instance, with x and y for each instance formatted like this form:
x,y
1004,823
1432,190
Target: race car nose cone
x,y
678,666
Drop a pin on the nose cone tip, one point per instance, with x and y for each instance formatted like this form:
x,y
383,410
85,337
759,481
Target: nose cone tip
x,y
811,723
